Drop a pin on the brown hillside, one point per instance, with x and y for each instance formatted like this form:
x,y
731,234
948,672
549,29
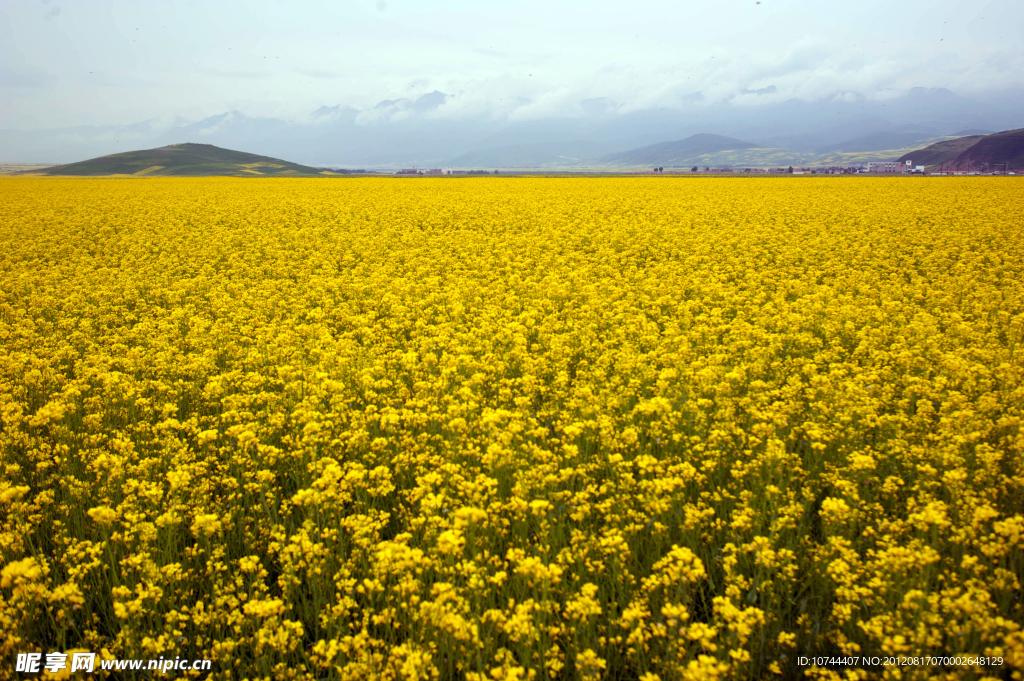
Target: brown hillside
x,y
1002,147
941,152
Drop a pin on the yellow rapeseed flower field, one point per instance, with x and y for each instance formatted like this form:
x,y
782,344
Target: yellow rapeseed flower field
x,y
516,428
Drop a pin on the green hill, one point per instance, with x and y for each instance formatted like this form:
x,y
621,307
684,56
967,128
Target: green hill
x,y
183,160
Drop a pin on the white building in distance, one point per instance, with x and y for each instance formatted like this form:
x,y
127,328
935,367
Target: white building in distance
x,y
887,167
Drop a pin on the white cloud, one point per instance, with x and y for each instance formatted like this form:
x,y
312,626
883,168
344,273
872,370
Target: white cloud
x,y
287,61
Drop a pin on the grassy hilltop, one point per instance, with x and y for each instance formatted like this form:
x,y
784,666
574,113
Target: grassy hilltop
x,y
186,160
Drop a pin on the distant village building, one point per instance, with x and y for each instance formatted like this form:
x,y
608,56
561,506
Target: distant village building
x,y
885,167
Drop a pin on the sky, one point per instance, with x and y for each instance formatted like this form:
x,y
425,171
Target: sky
x,y
69,63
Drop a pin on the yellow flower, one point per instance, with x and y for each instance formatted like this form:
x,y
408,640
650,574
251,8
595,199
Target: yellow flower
x,y
590,666
450,542
10,493
26,570
102,515
206,524
584,604
264,608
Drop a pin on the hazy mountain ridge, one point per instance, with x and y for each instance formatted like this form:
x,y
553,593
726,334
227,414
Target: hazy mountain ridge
x,y
533,155
878,141
678,152
432,129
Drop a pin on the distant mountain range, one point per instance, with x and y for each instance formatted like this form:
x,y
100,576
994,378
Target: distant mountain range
x,y
718,150
188,160
441,129
878,141
676,153
970,152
